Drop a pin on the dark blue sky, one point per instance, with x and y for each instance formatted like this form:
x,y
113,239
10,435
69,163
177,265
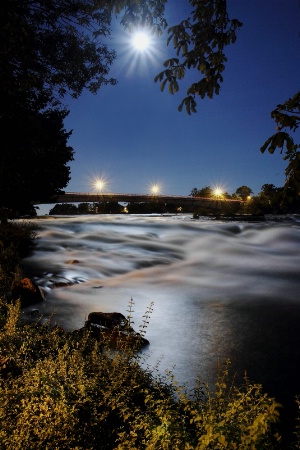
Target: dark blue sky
x,y
133,135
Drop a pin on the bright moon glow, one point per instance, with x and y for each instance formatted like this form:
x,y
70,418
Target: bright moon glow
x,y
141,41
140,51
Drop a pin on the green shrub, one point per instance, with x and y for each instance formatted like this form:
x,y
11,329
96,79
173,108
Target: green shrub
x,y
66,391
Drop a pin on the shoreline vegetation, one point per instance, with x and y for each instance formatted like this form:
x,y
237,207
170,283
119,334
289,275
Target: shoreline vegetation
x,y
73,391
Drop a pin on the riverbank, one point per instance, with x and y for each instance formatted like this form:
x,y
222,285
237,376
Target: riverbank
x,y
157,241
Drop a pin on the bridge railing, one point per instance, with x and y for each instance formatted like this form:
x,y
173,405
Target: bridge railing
x,y
179,200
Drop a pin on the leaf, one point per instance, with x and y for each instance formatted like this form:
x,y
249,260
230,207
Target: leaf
x,y
175,86
180,73
163,84
169,39
180,106
188,106
290,145
170,88
202,67
266,144
159,77
222,440
184,49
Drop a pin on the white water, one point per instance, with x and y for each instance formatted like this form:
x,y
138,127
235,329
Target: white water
x,y
219,289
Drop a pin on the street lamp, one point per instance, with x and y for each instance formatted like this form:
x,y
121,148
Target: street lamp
x,y
218,193
99,185
155,189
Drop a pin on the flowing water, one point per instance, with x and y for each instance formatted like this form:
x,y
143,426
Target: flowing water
x,y
220,290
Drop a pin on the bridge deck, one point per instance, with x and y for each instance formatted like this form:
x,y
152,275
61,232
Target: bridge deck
x,y
180,200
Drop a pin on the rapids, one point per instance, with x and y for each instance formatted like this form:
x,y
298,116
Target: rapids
x,y
220,290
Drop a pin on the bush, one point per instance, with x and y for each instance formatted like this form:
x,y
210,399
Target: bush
x,y
16,241
66,391
71,391
19,234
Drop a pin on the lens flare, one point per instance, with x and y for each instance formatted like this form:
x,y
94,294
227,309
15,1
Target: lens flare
x,y
141,41
140,51
155,189
218,192
99,184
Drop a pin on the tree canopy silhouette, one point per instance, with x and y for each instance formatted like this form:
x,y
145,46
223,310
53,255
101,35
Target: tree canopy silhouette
x,y
33,163
53,48
49,48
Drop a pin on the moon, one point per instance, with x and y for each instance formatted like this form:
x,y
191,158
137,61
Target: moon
x,y
141,41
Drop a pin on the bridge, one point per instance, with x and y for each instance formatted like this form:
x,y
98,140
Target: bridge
x,y
179,200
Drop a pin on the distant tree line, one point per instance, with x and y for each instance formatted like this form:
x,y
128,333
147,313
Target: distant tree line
x,y
270,200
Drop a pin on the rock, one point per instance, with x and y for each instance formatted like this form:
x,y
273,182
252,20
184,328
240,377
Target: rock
x,y
34,313
108,320
58,282
115,338
28,292
114,330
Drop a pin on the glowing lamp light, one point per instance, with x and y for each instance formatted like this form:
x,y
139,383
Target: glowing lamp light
x,y
155,189
99,185
218,192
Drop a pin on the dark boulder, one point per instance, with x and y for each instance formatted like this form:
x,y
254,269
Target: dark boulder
x,y
108,320
28,292
114,330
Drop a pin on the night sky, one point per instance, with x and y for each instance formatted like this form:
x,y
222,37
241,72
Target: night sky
x,y
132,135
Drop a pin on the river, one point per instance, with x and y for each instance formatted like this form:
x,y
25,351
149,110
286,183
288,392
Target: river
x,y
219,290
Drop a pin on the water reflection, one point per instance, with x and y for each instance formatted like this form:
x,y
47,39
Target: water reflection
x,y
219,290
